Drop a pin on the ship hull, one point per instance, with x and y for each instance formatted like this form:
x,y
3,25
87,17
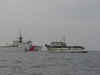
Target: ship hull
x,y
67,50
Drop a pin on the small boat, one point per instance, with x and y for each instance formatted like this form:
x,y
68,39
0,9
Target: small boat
x,y
30,47
62,47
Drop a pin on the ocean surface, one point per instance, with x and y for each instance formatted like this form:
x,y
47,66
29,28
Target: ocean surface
x,y
15,61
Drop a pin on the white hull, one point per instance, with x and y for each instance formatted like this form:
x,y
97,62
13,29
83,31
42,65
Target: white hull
x,y
71,50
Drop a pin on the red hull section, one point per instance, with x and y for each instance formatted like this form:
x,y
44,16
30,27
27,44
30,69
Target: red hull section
x,y
32,48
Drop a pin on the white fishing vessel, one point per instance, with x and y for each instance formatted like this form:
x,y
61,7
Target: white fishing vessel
x,y
60,46
19,43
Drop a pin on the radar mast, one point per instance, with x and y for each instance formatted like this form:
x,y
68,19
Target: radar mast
x,y
20,38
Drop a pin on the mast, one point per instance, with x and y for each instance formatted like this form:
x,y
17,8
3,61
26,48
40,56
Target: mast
x,y
20,37
64,38
64,33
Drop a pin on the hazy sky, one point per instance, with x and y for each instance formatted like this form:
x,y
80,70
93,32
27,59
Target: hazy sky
x,y
48,20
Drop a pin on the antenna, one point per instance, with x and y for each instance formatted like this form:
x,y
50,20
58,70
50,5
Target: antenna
x,y
64,38
20,37
64,33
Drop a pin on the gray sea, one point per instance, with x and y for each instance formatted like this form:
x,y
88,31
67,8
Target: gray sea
x,y
15,61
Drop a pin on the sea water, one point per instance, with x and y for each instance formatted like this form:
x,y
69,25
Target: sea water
x,y
15,61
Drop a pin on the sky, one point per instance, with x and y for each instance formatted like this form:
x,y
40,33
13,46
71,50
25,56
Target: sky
x,y
49,20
